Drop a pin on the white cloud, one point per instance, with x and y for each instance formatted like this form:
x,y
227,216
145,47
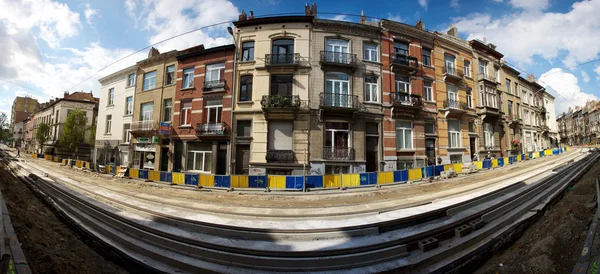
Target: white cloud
x,y
530,4
454,4
498,1
423,3
5,87
340,17
54,20
597,71
89,13
394,17
585,76
573,36
566,85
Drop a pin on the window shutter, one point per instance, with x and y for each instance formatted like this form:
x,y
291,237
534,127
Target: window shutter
x,y
280,135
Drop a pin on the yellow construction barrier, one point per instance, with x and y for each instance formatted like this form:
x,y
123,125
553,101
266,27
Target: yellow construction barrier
x,y
238,181
495,163
547,152
416,174
276,181
154,175
479,165
505,161
350,180
519,158
448,166
134,173
207,180
331,181
457,167
47,157
178,178
33,155
384,177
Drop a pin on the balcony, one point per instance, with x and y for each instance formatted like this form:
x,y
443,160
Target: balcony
x,y
338,59
406,105
339,102
212,130
218,85
514,121
407,63
491,79
144,128
455,107
542,110
338,153
452,74
280,156
282,60
280,106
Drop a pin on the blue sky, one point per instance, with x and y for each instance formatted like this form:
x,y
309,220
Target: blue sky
x,y
52,46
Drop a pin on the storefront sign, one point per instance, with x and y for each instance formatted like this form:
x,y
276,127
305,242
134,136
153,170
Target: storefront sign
x,y
155,139
143,140
165,128
145,147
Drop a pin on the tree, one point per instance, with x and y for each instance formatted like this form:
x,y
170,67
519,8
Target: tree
x,y
42,134
92,135
74,132
4,130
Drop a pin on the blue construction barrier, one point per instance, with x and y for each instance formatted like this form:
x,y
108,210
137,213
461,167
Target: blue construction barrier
x,y
191,179
368,178
260,182
316,181
222,181
428,171
487,164
143,174
500,161
166,176
400,176
294,182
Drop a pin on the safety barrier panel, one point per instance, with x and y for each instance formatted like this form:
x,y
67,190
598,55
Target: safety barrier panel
x,y
479,165
402,175
494,162
500,161
385,177
178,178
487,164
222,181
294,182
165,176
260,181
369,178
350,180
153,175
415,174
240,181
457,167
192,179
332,181
428,171
276,181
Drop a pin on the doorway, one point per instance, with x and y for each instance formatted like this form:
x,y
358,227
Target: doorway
x,y
472,147
242,158
164,159
430,151
221,159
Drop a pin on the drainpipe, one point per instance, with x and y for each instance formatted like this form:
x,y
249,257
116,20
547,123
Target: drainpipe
x,y
233,92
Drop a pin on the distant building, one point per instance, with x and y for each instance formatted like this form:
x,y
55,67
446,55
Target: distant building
x,y
22,107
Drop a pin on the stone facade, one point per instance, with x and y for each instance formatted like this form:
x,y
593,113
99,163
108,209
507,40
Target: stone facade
x,y
511,102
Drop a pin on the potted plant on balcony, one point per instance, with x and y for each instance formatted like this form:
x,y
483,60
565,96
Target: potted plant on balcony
x,y
280,101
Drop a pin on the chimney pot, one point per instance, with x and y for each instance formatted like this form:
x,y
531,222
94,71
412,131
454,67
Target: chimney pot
x,y
453,31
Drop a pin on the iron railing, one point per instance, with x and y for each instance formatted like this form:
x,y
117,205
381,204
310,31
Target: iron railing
x,y
487,77
455,104
282,59
338,153
212,85
334,57
280,156
339,100
146,125
453,71
405,99
214,129
280,101
405,61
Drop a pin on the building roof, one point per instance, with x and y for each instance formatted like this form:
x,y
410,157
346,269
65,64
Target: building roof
x,y
274,20
476,44
78,96
200,50
118,73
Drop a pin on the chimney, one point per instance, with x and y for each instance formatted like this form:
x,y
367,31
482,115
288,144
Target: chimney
x,y
453,31
51,101
492,46
91,94
530,77
242,16
363,18
312,11
153,52
484,40
421,25
66,94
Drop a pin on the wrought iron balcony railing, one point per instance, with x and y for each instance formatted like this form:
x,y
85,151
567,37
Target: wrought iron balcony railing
x,y
280,156
405,99
214,85
339,100
406,61
282,59
212,129
338,153
453,72
280,101
455,104
145,125
342,58
487,77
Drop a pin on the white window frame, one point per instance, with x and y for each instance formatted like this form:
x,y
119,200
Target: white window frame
x,y
488,130
467,65
108,128
402,131
332,131
165,118
147,115
371,52
210,69
210,109
428,91
127,134
173,78
129,105
483,68
470,99
150,79
400,83
203,154
450,63
454,138
341,98
185,111
372,90
131,80
111,96
188,78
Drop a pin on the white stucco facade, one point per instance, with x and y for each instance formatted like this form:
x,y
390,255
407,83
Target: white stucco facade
x,y
551,116
115,113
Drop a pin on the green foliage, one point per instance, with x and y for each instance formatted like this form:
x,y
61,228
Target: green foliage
x,y
92,135
4,130
42,134
73,134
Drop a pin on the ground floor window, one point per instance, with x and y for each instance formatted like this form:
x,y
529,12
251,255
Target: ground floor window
x,y
124,158
455,159
144,159
331,169
279,171
199,158
403,164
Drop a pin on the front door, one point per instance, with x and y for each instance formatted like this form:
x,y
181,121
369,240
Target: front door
x,y
177,159
164,159
472,146
221,159
242,158
430,151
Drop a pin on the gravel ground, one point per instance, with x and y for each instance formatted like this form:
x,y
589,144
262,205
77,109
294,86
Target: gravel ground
x,y
260,200
50,246
553,244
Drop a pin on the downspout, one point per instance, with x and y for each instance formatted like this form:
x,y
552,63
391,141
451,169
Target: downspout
x,y
233,103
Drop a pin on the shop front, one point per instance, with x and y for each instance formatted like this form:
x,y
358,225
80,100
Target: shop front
x,y
145,152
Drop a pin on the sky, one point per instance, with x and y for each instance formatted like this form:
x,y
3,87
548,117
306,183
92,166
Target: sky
x,y
48,47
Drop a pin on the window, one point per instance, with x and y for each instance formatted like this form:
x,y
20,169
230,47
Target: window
x,y
526,116
111,96
186,112
371,90
469,99
246,88
280,135
483,67
336,51
525,97
518,111
426,57
531,99
370,53
129,105
428,91
467,68
403,135
454,133
188,78
167,110
455,159
429,128
488,130
517,89
199,157
400,48
244,128
337,140
449,63
496,73
131,80
147,109
508,86
401,165
337,89
215,72
510,108
213,107
471,127
452,93
248,51
283,46
108,123
150,80
171,75
126,133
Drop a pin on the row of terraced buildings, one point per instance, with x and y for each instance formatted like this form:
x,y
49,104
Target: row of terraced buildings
x,y
302,95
